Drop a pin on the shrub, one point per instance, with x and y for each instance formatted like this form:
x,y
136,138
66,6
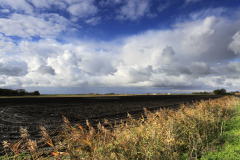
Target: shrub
x,y
36,93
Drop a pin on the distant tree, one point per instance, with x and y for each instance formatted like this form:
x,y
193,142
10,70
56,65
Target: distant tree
x,y
223,90
21,92
217,91
36,93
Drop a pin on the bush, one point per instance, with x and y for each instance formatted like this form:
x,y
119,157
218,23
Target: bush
x,y
220,92
36,93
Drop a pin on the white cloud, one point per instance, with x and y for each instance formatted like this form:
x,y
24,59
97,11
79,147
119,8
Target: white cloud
x,y
235,44
7,45
93,21
48,4
183,57
83,9
18,5
35,62
27,26
133,10
5,11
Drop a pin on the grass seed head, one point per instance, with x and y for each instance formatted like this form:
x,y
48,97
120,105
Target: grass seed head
x,y
24,133
67,123
32,145
5,144
99,126
44,133
106,121
87,123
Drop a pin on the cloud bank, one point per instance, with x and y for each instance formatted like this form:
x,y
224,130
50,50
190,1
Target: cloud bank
x,y
197,53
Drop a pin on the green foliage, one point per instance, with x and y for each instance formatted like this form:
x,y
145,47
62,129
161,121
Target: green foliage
x,y
220,91
36,93
17,92
11,92
110,94
200,92
231,148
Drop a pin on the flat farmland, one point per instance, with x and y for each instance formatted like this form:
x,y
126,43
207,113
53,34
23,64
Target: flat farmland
x,y
30,113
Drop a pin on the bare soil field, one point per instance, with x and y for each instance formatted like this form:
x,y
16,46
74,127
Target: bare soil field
x,y
30,113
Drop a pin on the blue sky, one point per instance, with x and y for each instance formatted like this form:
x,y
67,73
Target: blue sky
x,y
121,46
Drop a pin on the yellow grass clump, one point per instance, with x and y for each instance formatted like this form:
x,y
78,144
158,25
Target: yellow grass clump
x,y
165,134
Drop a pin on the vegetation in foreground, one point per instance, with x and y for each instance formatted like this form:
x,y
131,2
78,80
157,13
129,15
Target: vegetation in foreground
x,y
166,134
230,150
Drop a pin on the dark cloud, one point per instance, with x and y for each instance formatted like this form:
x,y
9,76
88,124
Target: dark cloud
x,y
13,68
140,74
182,69
168,55
98,66
219,81
46,70
200,68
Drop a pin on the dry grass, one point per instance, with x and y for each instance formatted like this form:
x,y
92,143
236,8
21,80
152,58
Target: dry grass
x,y
165,134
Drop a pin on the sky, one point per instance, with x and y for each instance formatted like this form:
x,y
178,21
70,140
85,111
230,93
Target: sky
x,y
120,46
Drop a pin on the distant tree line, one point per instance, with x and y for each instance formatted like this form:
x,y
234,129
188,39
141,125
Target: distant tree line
x,y
220,92
110,94
216,92
200,92
17,92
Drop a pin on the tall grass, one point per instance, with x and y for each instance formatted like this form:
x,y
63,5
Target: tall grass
x,y
165,134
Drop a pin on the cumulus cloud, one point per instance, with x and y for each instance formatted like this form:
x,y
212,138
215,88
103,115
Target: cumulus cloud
x,y
68,58
184,56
